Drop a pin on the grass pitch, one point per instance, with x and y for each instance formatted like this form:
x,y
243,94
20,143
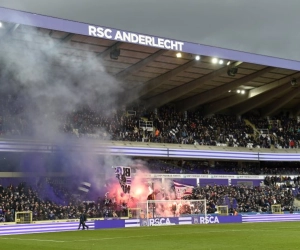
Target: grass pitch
x,y
283,235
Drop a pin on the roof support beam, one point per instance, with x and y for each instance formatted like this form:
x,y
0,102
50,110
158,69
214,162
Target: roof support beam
x,y
158,81
174,93
296,109
135,93
224,103
209,95
103,54
67,38
261,99
128,71
277,83
106,52
274,106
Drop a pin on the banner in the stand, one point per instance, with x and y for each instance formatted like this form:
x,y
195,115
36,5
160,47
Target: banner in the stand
x,y
205,176
123,174
182,190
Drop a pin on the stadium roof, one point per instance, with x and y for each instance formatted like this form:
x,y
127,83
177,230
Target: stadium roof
x,y
158,75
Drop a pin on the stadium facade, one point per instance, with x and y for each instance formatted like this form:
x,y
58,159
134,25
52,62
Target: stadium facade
x,y
36,20
65,31
257,27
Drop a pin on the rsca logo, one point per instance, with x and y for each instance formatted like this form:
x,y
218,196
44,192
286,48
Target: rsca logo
x,y
159,222
209,220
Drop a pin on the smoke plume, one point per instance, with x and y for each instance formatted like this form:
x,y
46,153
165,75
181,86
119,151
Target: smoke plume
x,y
48,79
42,81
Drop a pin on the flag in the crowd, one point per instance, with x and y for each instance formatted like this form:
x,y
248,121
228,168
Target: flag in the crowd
x,y
85,187
123,174
182,190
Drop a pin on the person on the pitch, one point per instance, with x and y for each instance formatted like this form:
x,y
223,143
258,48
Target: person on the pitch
x,y
82,220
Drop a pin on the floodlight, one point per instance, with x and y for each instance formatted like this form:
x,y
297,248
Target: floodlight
x,y
232,71
214,60
114,54
294,82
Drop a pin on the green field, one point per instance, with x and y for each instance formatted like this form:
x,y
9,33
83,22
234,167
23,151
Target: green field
x,y
283,235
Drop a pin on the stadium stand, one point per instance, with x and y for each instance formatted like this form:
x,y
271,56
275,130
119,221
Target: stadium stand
x,y
54,198
23,197
244,199
164,125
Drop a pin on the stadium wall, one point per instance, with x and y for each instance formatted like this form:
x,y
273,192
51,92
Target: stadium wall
x,y
210,219
210,179
42,227
155,150
259,27
56,226
186,179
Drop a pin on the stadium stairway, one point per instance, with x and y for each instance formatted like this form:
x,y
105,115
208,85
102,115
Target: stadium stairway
x,y
248,123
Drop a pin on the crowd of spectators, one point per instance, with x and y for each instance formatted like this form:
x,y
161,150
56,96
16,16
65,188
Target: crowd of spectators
x,y
22,198
283,181
281,131
167,125
244,199
223,167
